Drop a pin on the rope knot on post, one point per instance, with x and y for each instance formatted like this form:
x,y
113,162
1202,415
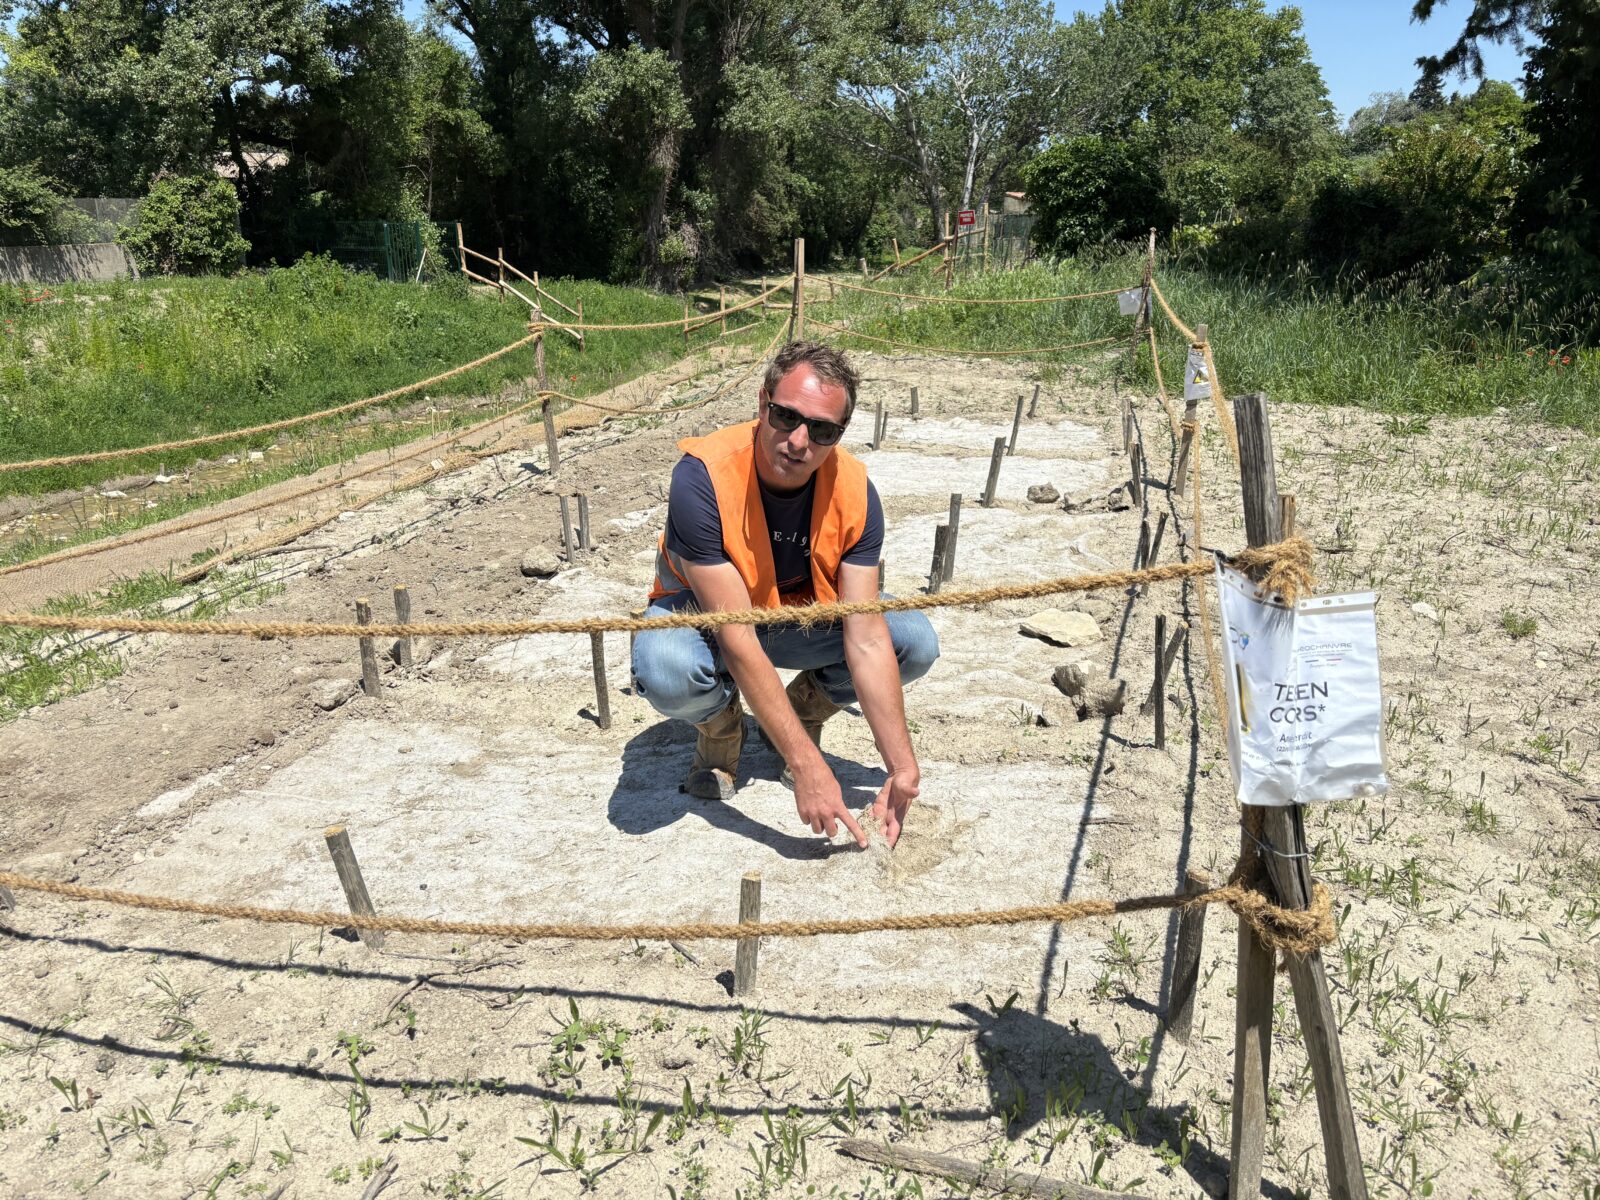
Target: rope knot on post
x,y
1290,932
1282,567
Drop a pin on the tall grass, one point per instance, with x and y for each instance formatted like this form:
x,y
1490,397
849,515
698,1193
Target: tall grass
x,y
1415,348
103,366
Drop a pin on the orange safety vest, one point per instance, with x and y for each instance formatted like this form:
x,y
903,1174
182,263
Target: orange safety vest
x,y
838,518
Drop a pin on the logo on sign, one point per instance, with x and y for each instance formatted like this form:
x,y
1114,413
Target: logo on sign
x,y
967,216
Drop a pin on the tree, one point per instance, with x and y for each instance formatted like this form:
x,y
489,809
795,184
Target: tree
x,y
1092,189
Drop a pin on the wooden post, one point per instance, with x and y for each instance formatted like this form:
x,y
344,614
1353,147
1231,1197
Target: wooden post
x,y
602,695
1143,552
402,613
1167,659
895,242
950,542
984,261
1154,554
500,267
1016,424
685,296
355,887
1033,405
880,577
880,426
949,258
1288,864
1136,472
746,949
941,548
369,656
1286,514
1180,469
863,265
914,403
1161,682
461,250
583,334
566,528
552,451
1186,958
722,305
797,326
994,472
1127,422
584,540
538,354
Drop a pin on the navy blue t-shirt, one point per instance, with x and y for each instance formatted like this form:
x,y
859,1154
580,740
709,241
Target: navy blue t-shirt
x,y
694,527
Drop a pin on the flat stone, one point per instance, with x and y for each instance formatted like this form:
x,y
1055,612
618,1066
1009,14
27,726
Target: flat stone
x,y
539,563
1043,493
329,694
1062,628
1426,611
265,736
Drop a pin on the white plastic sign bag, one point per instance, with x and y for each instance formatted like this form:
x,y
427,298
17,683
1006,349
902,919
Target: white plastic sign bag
x,y
1305,705
1196,376
1130,302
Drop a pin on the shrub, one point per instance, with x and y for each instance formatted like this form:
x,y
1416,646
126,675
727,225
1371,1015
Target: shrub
x,y
33,213
1093,189
187,226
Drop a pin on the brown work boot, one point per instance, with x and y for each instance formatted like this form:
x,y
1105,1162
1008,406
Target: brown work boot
x,y
812,706
716,754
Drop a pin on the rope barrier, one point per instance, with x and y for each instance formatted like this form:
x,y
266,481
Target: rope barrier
x,y
1292,931
1172,316
971,353
677,322
1287,564
934,299
1219,402
211,439
1161,384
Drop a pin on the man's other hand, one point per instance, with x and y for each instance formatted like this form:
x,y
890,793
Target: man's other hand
x,y
821,805
889,809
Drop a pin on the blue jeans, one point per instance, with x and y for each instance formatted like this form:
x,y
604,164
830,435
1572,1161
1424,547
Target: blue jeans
x,y
681,672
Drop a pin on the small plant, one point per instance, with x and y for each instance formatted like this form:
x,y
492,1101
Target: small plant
x,y
69,1092
1518,625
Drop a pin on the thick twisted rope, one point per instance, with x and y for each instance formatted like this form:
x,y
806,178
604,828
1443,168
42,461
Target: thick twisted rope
x,y
1287,563
1161,384
1290,930
1188,333
676,322
211,439
934,299
868,337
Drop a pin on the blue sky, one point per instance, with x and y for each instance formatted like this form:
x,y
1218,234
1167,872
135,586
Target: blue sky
x,y
1366,46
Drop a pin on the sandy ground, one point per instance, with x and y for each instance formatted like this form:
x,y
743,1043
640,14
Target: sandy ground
x,y
154,1056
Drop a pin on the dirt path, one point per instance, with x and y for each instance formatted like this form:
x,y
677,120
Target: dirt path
x,y
476,784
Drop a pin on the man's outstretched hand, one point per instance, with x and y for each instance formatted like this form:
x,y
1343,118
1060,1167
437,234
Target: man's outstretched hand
x,y
889,809
821,805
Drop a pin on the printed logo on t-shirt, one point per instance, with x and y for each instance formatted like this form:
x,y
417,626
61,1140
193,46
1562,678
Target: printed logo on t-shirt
x,y
800,539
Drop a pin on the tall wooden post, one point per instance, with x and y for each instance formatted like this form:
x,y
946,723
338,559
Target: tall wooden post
x,y
500,268
949,247
1288,866
369,652
798,330
552,450
461,250
602,694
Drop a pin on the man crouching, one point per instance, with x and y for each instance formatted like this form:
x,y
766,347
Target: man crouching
x,y
765,514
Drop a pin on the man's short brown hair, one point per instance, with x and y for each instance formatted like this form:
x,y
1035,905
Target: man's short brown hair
x,y
830,365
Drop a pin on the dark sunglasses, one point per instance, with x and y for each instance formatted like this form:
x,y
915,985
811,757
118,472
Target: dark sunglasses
x,y
786,420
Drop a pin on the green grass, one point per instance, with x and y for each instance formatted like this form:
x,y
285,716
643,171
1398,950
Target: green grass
x,y
1408,350
35,668
104,366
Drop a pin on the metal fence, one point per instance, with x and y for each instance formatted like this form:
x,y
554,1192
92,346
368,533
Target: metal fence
x,y
392,250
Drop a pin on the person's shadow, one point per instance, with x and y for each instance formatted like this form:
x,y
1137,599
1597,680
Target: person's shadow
x,y
648,795
1042,1072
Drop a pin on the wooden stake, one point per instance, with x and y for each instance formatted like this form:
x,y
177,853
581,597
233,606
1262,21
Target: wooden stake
x,y
1137,472
880,576
994,472
950,542
355,887
1286,513
984,261
1161,682
584,541
583,334
500,266
1154,554
1167,659
1180,469
914,402
880,426
552,451
602,694
685,320
566,528
941,545
722,304
1016,424
1127,423
1143,552
538,354
895,242
369,655
1033,405
461,251
402,614
797,321
1186,958
1287,860
746,949
989,1180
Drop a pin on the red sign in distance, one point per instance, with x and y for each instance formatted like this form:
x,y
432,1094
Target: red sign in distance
x,y
967,216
